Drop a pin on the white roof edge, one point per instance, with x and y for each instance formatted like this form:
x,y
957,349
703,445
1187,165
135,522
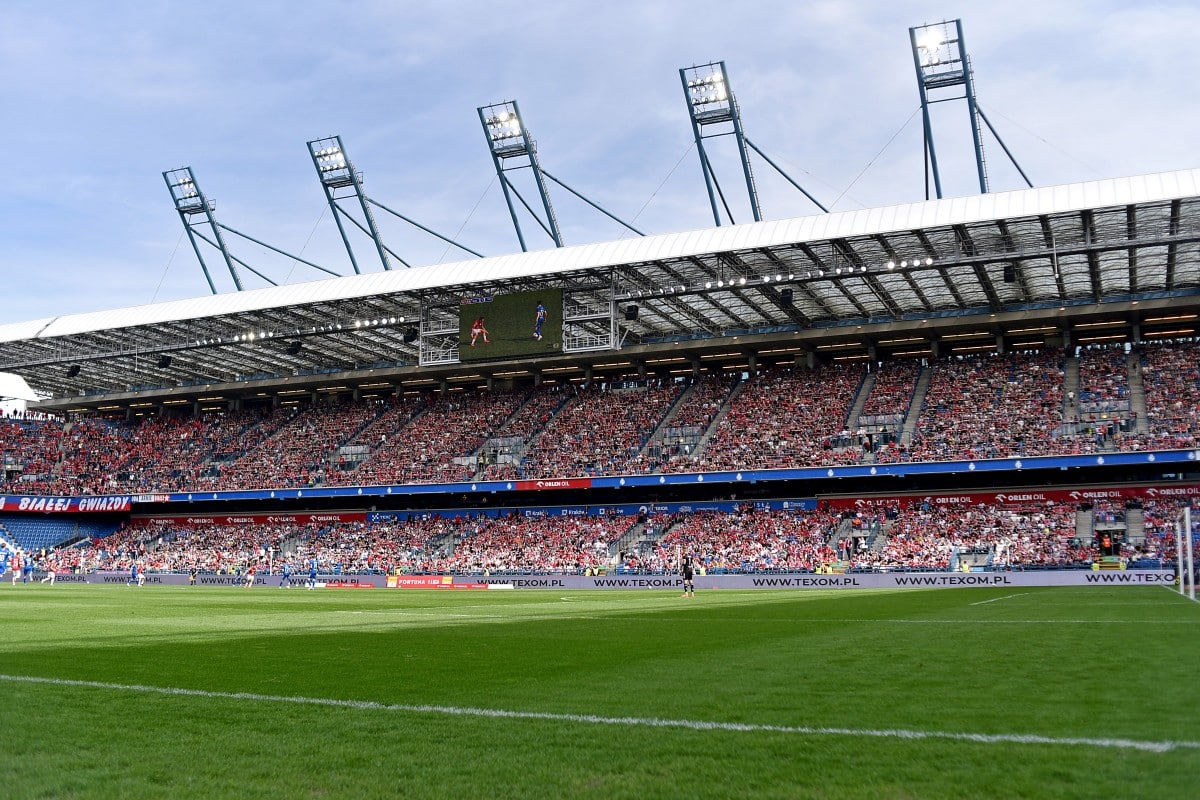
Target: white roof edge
x,y
949,211
14,387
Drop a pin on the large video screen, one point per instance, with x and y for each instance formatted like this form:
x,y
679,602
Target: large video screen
x,y
510,325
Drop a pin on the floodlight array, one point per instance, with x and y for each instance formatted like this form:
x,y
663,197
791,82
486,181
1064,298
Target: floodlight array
x,y
502,126
330,159
374,323
935,45
246,337
742,281
707,90
186,187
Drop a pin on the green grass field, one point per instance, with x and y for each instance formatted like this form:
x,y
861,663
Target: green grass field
x,y
973,693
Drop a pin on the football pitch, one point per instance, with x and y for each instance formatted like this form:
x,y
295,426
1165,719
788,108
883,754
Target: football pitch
x,y
965,693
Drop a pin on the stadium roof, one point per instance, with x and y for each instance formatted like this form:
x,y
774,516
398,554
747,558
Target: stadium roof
x,y
14,387
1097,246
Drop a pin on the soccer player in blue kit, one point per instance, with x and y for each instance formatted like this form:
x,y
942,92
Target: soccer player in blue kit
x,y
538,319
312,574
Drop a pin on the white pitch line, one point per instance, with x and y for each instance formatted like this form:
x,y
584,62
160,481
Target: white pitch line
x,y
994,599
971,621
644,722
435,617
636,613
1175,590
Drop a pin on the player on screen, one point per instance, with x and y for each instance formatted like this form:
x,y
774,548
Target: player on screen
x,y
687,569
478,329
249,579
538,319
312,575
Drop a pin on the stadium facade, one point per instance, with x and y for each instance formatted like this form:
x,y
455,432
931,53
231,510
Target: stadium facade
x,y
1112,262
1011,269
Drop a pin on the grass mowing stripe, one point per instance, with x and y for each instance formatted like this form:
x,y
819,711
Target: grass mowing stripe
x,y
590,719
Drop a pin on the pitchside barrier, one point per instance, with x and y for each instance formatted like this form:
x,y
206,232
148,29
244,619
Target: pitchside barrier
x,y
871,580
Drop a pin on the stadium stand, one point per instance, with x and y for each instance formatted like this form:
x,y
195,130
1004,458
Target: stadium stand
x,y
926,537
437,444
1171,376
503,455
745,541
975,407
39,532
992,407
600,431
676,447
784,417
887,535
811,359
1103,384
516,544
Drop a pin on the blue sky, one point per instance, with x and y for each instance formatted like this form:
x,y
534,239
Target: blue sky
x,y
101,98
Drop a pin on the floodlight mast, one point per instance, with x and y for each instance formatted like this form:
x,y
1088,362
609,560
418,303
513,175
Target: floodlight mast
x,y
191,204
341,180
508,138
337,173
711,102
941,60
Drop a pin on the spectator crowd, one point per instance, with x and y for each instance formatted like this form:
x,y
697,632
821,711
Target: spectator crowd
x,y
892,535
1009,405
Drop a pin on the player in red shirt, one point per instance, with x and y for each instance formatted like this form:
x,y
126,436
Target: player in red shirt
x,y
478,329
